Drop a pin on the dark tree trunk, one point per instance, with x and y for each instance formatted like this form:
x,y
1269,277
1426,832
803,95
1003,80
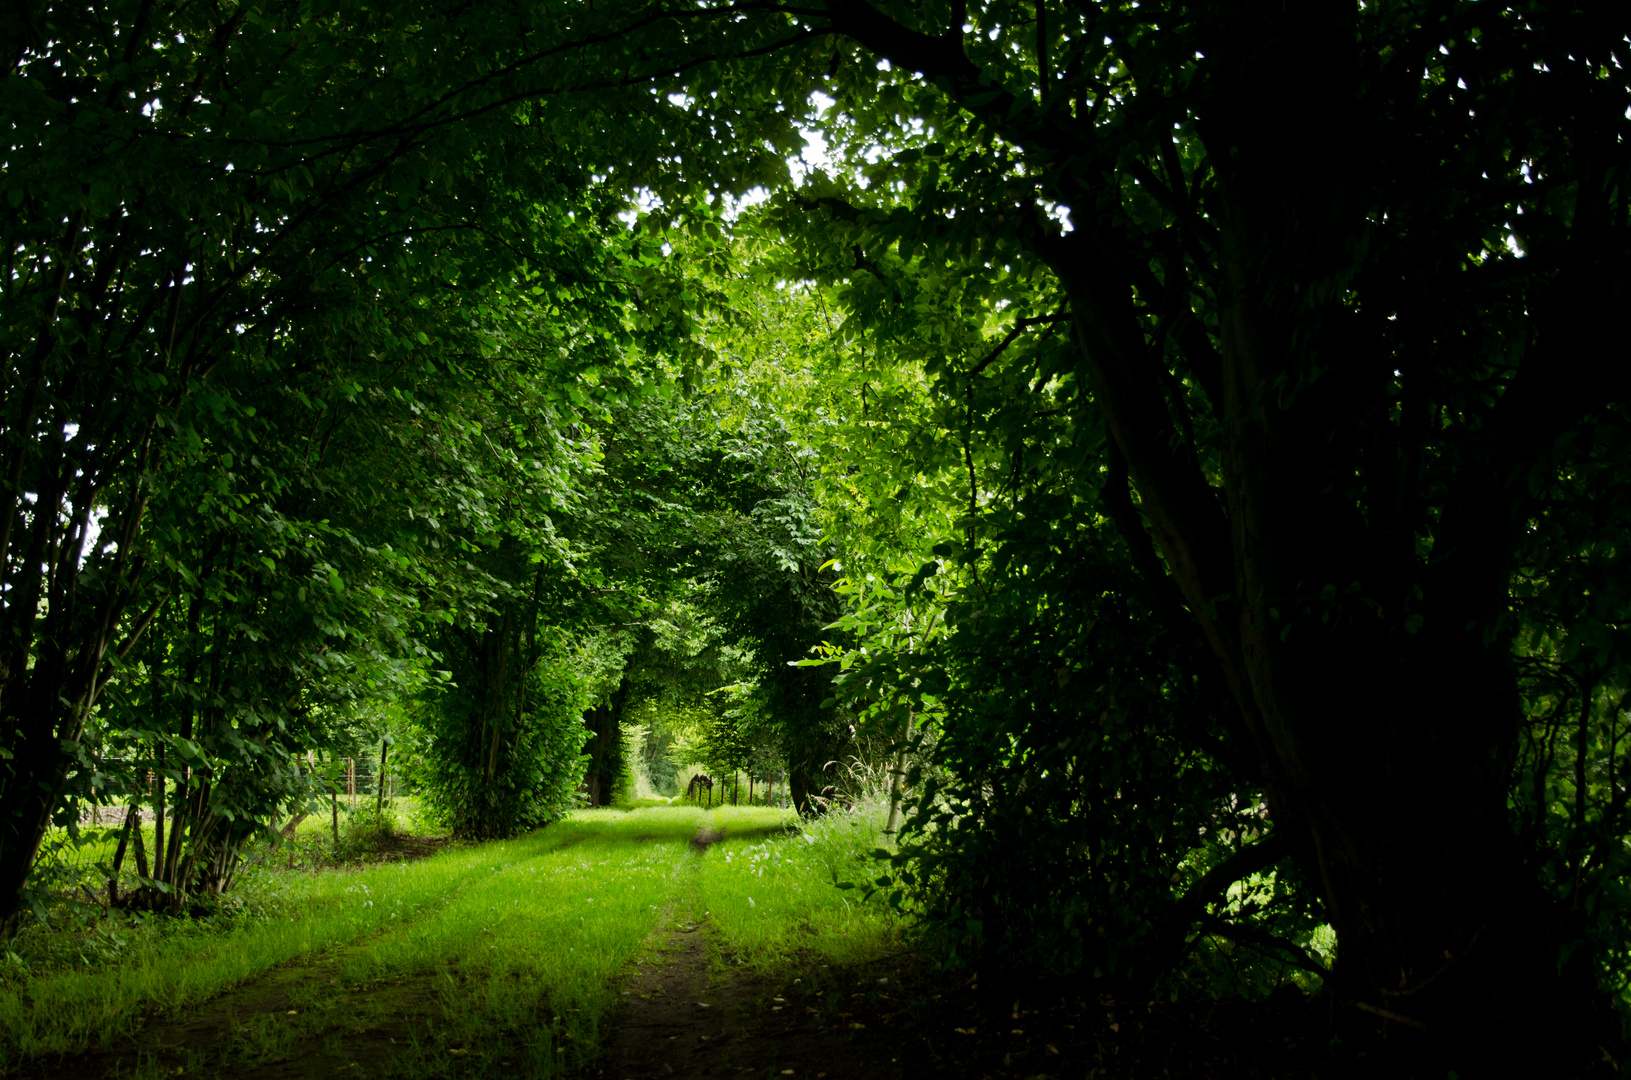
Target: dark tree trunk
x,y
807,739
1384,735
1385,745
53,665
1397,768
38,768
605,747
24,816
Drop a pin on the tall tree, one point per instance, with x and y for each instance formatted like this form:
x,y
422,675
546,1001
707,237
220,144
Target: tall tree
x,y
1333,273
196,196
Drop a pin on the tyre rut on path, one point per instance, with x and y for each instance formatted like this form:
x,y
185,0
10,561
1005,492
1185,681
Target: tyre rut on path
x,y
680,1016
681,1021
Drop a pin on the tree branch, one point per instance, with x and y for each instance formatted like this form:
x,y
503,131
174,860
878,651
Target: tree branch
x,y
1020,326
1295,954
1252,859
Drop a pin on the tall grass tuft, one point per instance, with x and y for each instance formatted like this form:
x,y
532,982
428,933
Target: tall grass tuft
x,y
793,891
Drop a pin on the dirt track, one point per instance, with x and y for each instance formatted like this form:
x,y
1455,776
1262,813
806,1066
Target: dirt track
x,y
681,1020
688,1012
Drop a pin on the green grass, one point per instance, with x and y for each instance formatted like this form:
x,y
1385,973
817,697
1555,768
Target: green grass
x,y
773,897
466,950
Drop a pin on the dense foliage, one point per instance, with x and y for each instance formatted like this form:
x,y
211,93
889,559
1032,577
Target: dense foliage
x,y
1180,433
1312,369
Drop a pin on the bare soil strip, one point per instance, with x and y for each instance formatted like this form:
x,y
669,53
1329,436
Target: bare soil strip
x,y
681,1020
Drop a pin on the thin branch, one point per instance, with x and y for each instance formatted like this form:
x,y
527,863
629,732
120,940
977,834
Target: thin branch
x,y
1294,954
1252,859
407,126
1020,326
1388,1014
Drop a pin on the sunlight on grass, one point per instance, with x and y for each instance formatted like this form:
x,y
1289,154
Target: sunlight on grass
x,y
177,963
514,949
776,896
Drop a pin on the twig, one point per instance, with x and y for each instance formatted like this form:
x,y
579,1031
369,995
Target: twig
x,y
1387,1014
1452,962
1020,326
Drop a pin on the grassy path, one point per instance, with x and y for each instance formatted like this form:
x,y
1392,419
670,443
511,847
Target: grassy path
x,y
502,959
658,944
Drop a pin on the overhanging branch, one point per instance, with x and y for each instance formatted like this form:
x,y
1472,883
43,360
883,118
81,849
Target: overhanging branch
x,y
1252,859
1277,947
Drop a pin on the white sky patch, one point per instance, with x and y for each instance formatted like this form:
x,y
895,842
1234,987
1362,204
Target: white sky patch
x,y
93,532
645,200
816,154
735,204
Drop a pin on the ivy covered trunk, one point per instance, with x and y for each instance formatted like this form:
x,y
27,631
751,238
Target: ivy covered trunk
x,y
480,724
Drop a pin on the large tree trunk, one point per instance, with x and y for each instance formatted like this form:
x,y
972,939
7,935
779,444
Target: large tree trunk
x,y
25,813
1384,725
806,740
1397,767
1334,434
37,771
52,668
605,747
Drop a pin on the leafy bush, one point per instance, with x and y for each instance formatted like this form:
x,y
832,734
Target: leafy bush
x,y
1056,809
503,755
